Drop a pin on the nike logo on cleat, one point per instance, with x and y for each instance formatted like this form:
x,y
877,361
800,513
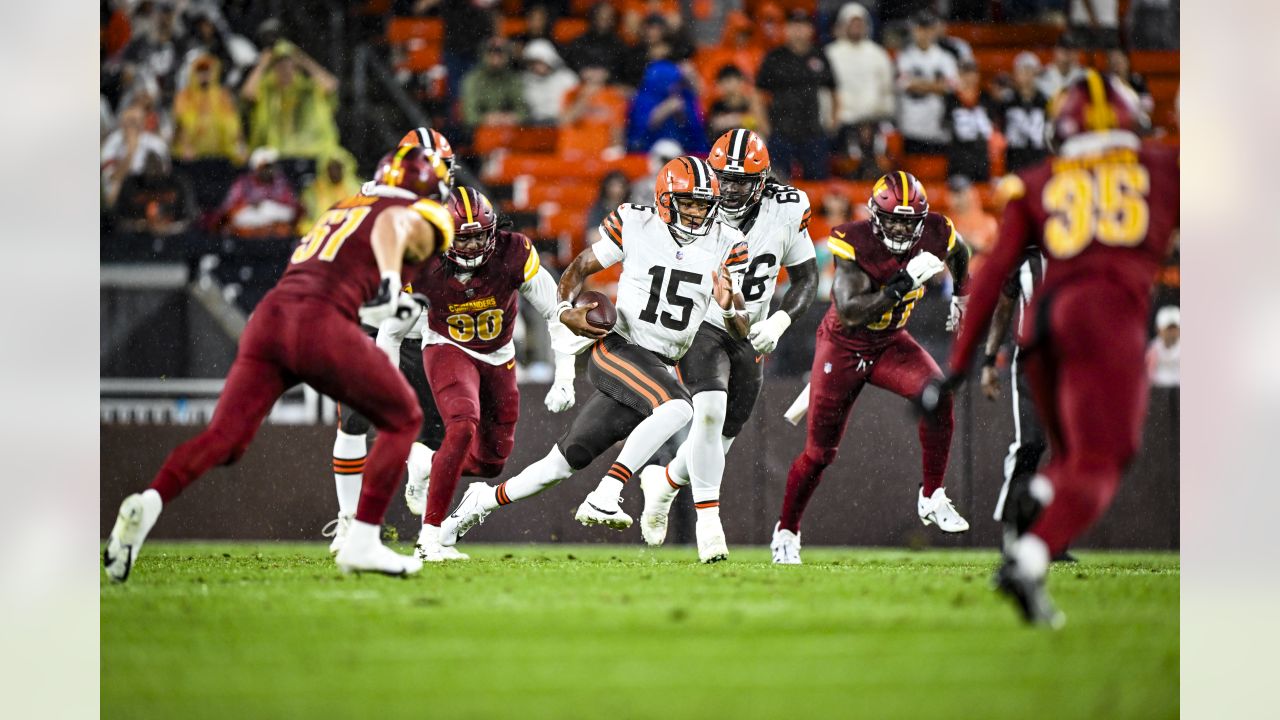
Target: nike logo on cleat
x,y
601,511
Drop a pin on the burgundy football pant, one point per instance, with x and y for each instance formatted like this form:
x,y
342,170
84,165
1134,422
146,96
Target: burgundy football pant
x,y
838,376
290,340
1089,381
479,404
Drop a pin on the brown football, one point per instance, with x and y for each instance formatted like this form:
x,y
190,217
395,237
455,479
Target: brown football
x,y
604,314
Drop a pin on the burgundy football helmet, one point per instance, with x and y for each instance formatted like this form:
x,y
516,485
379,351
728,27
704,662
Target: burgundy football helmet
x,y
1091,103
475,228
898,206
416,169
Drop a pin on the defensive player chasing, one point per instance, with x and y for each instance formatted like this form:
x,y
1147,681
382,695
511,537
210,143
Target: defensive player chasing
x,y
469,355
305,330
676,258
881,267
725,373
402,340
1102,211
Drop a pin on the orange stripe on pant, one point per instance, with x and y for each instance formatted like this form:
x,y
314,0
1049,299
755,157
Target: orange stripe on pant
x,y
619,374
639,375
705,505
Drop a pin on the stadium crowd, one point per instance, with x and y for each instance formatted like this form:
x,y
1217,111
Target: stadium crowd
x,y
219,132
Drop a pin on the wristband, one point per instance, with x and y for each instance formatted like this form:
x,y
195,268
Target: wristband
x,y
392,278
564,305
990,360
729,313
783,319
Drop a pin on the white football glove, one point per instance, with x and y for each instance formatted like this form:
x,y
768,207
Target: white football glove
x,y
390,302
957,312
799,407
561,397
924,266
765,334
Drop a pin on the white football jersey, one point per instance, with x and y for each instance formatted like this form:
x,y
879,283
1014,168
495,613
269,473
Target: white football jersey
x,y
777,238
665,287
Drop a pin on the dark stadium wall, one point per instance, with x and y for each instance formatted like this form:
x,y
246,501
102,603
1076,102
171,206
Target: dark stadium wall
x,y
283,490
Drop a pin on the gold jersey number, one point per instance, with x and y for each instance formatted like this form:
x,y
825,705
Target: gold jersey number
x,y
1106,202
330,231
464,328
906,304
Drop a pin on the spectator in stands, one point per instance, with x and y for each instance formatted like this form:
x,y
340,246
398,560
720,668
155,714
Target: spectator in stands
x,y
125,151
1164,354
665,106
1063,69
538,25
155,51
1118,65
546,81
600,44
926,74
862,70
155,201
206,38
260,202
1022,115
968,119
1095,23
292,100
467,26
835,208
956,47
654,44
595,105
1153,24
975,225
614,191
492,94
205,117
660,154
737,105
799,79
334,181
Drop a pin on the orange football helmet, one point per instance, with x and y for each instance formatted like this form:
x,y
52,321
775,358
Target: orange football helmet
x,y
686,194
416,169
898,206
741,162
431,139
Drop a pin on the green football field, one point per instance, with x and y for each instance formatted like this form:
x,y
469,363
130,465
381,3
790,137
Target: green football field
x,y
553,631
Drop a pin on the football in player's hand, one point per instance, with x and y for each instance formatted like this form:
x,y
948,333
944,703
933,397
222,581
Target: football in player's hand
x,y
604,314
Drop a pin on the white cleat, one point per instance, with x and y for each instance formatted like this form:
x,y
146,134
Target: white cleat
x,y
600,509
711,544
138,514
938,510
415,488
469,513
337,529
658,495
429,549
785,546
375,557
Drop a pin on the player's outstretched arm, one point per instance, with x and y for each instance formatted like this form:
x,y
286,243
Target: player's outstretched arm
x,y
957,263
858,301
802,290
1000,322
399,234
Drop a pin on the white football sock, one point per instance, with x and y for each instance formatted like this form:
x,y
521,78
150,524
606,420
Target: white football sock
x,y
1032,555
678,468
348,447
545,473
419,461
429,536
706,446
648,436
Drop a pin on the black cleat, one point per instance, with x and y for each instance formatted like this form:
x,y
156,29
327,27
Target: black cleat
x,y
1065,557
1033,600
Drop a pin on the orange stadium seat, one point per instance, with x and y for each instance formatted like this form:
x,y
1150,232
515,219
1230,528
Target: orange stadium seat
x,y
401,30
1153,63
515,139
511,26
583,141
1029,35
422,57
566,194
567,30
542,166
929,168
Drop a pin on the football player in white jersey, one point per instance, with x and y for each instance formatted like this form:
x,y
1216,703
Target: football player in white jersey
x,y
724,373
677,257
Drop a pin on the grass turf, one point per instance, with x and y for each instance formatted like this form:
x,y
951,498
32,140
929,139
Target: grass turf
x,y
273,631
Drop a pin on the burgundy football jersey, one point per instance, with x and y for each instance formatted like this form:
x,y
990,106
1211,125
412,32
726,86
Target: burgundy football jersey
x,y
1105,217
857,242
334,262
476,309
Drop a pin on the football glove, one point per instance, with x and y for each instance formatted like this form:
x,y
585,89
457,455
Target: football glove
x,y
561,397
957,312
930,399
900,284
390,302
765,334
922,267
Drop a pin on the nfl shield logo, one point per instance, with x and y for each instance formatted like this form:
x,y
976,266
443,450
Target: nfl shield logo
x,y
679,254
826,368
